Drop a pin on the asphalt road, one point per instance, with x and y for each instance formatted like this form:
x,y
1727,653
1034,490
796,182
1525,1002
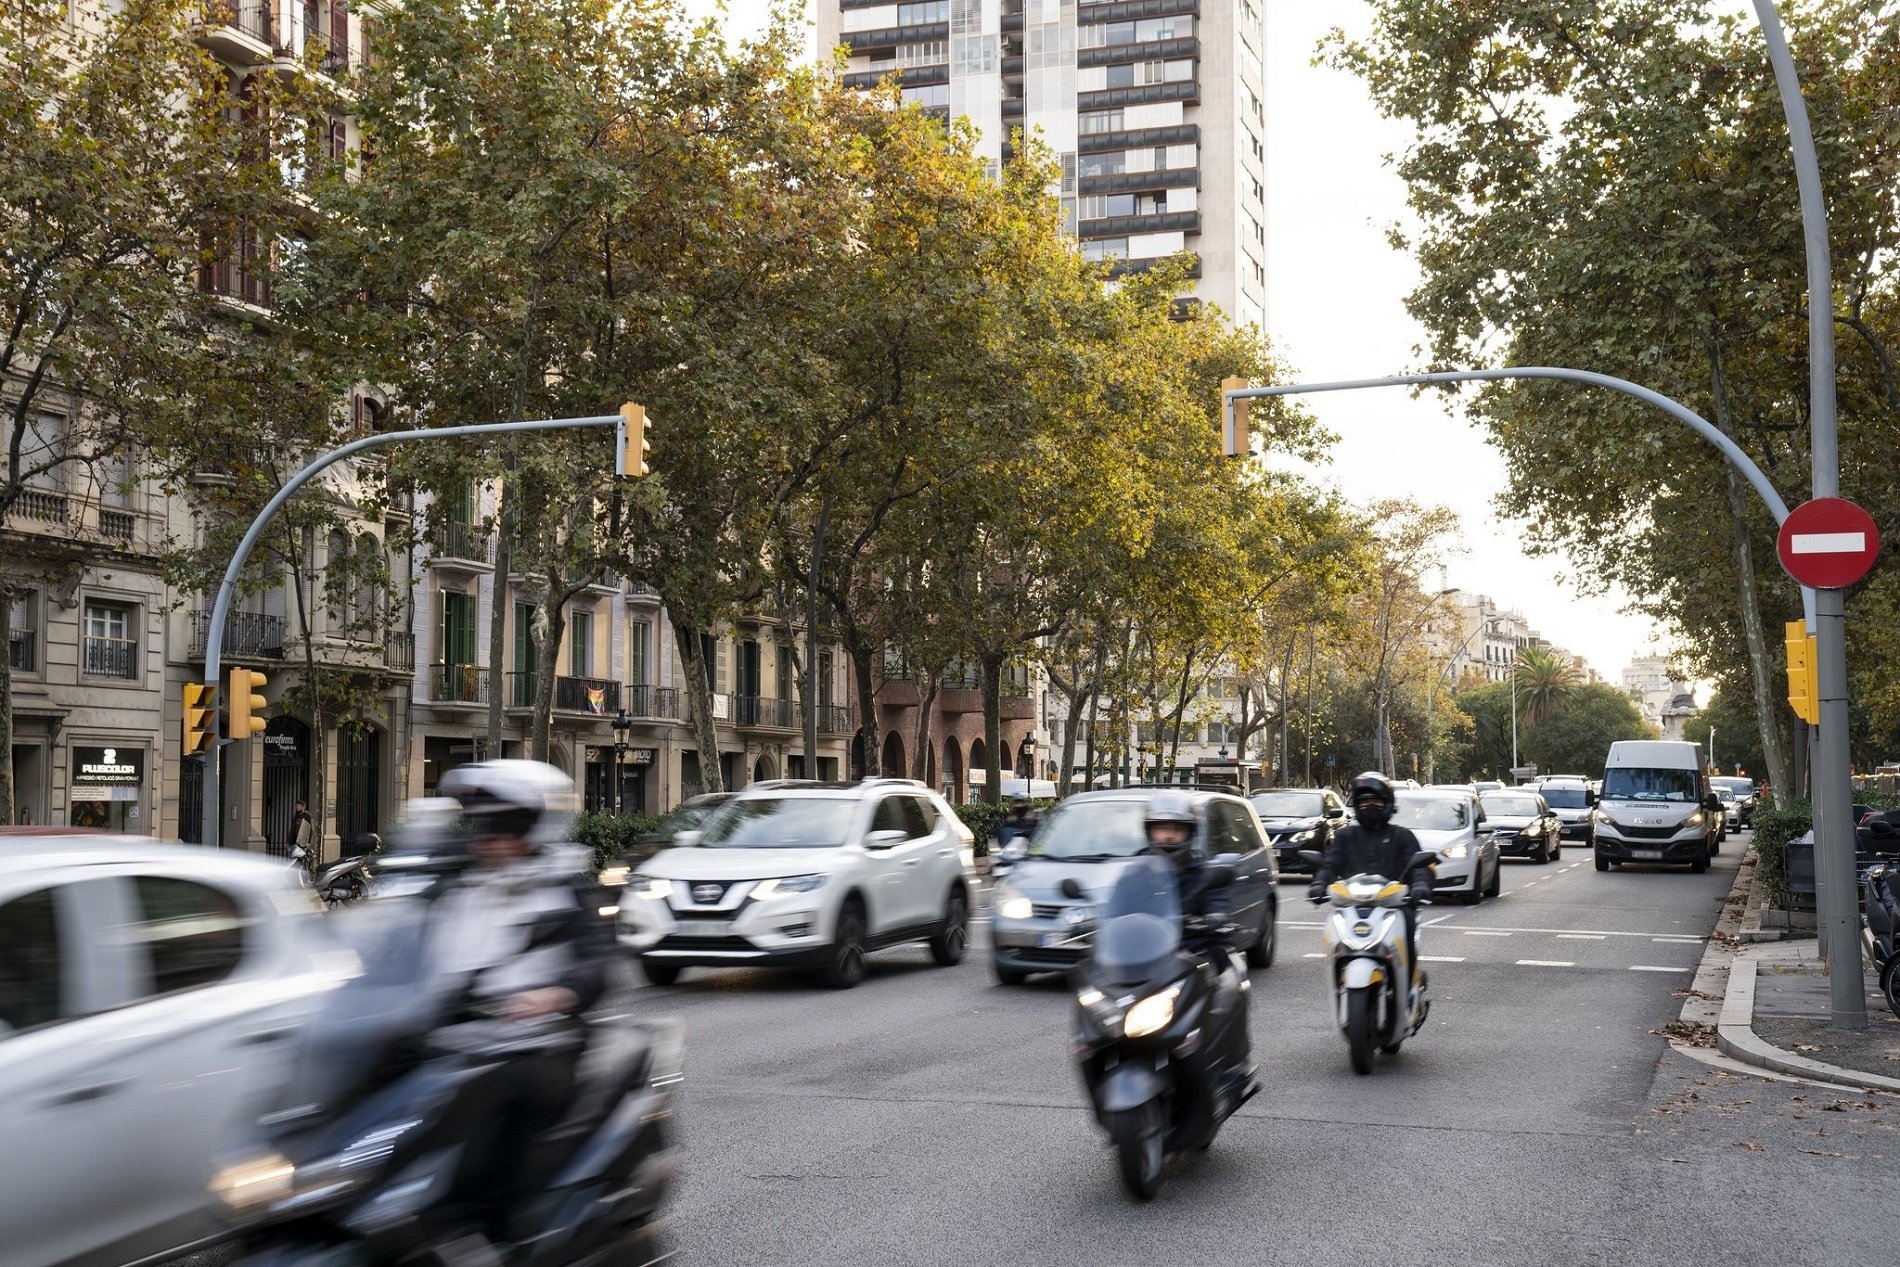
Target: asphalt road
x,y
931,1116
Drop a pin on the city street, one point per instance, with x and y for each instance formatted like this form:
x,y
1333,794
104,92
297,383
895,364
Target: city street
x,y
931,1116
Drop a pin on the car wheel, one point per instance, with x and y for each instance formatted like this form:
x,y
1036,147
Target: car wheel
x,y
1260,954
1497,879
847,966
1603,864
1007,976
660,973
953,938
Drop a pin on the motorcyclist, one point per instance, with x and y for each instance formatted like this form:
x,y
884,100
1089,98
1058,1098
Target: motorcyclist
x,y
1018,824
1371,845
519,925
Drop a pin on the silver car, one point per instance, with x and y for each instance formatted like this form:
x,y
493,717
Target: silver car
x,y
1042,907
1453,826
149,996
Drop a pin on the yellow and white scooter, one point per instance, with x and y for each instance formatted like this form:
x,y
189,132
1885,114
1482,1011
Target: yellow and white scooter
x,y
1378,992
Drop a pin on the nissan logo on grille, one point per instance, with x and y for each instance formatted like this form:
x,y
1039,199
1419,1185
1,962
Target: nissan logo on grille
x,y
707,894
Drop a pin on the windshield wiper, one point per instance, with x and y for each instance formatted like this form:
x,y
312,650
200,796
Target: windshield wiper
x,y
1076,857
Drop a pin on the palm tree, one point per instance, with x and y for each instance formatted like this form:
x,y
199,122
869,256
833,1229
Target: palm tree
x,y
1545,681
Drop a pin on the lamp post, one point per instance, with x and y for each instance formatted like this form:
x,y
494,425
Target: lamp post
x,y
622,724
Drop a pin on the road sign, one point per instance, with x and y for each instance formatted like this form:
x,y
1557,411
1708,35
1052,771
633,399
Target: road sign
x,y
1523,771
1828,543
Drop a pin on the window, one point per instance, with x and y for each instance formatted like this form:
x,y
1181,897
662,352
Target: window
x,y
40,449
639,638
580,644
1096,122
23,635
919,818
929,95
110,649
785,673
1104,164
456,637
1105,249
32,991
827,675
923,13
1097,206
890,816
194,933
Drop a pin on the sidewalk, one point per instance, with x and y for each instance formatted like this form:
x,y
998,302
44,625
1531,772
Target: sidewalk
x,y
1774,1005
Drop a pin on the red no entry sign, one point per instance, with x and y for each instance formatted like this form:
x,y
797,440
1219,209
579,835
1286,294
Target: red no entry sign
x,y
1828,543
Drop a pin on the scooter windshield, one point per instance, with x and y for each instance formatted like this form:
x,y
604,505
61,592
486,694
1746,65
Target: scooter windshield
x,y
1140,928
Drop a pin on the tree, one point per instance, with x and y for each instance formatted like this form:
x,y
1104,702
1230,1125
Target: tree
x,y
1411,540
1575,737
1737,748
1545,682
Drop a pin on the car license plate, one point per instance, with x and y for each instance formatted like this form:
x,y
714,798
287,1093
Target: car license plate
x,y
1646,855
703,928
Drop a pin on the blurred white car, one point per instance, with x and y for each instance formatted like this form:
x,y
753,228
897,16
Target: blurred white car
x,y
148,996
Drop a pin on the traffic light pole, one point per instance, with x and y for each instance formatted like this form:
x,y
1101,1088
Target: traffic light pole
x,y
227,588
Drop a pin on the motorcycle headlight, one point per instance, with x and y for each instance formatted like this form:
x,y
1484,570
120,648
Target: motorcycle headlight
x,y
1011,904
1459,850
1152,1014
254,1181
786,884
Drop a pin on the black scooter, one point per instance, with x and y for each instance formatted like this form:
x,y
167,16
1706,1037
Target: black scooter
x,y
1880,926
1160,1031
359,1165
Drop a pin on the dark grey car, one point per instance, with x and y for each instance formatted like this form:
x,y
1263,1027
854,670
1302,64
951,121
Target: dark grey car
x,y
1089,838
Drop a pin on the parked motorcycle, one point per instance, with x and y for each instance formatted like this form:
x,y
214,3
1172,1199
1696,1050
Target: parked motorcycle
x,y
1880,926
359,1162
1160,1031
1378,993
342,883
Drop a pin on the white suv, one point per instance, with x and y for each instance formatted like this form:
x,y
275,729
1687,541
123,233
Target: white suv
x,y
804,875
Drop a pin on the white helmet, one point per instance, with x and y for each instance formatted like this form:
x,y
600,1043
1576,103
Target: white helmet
x,y
514,798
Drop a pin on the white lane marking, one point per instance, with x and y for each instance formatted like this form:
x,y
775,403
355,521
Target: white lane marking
x,y
1650,967
1677,941
1441,919
1827,543
1441,958
1315,954
1579,936
1484,932
1607,932
1546,963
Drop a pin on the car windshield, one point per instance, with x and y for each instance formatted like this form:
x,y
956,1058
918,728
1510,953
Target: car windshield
x,y
1289,805
1565,798
1740,787
1511,806
781,822
1432,813
1092,829
1632,784
686,817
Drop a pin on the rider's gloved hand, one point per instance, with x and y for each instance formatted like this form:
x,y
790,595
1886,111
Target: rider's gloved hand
x,y
1421,893
1316,891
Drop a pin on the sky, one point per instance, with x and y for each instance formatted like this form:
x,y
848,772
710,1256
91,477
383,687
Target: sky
x,y
1335,309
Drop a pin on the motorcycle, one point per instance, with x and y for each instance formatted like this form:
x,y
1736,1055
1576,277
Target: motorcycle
x,y
342,883
1880,926
1378,993
1160,1031
359,1162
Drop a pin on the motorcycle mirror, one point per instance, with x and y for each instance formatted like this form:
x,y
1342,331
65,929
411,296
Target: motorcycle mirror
x,y
1311,856
1073,890
1423,858
1219,875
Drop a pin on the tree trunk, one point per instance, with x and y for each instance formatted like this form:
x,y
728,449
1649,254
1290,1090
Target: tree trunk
x,y
920,750
712,777
1088,759
810,668
550,622
1281,773
861,655
7,814
313,687
1065,773
991,666
499,607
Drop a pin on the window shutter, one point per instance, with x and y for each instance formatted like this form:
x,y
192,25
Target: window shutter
x,y
340,34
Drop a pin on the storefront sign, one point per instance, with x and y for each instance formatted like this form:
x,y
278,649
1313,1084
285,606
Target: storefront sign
x,y
107,774
642,756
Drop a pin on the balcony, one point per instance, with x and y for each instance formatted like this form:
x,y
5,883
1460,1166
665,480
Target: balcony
x,y
952,700
1147,51
464,543
109,657
1155,222
245,634
41,506
891,36
458,684
834,719
1139,138
23,650
1122,10
1140,182
239,280
117,525
771,714
662,702
597,696
908,76
1016,708
240,32
1187,91
399,653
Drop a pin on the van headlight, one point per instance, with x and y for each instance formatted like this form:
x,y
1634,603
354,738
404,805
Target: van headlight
x,y
1011,904
1694,820
1152,1014
254,1181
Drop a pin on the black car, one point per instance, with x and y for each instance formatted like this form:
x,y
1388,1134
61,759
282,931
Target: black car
x,y
1523,824
1296,819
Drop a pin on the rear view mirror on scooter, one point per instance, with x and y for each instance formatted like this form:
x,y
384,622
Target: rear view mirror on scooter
x,y
1218,875
1311,856
1073,890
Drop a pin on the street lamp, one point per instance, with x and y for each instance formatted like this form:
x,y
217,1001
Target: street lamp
x,y
622,724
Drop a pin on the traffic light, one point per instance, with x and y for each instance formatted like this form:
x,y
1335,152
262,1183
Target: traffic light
x,y
631,446
201,706
245,705
1804,688
1234,444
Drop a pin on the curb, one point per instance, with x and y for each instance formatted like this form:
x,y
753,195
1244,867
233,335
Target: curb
x,y
1735,1037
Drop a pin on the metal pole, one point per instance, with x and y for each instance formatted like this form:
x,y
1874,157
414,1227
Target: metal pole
x,y
1514,707
1833,800
227,588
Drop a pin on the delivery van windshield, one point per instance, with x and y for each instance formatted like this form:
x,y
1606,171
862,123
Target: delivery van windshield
x,y
1649,785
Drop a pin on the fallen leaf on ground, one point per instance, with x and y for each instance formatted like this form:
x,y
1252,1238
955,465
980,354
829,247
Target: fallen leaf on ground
x,y
1807,1047
1819,1152
1752,1146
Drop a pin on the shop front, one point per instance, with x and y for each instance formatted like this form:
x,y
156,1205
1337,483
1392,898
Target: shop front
x,y
107,789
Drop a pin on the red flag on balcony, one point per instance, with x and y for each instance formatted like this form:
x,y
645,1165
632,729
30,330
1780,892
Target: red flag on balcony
x,y
597,699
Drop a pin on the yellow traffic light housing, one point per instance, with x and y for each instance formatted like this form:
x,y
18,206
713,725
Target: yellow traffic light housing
x,y
1235,441
246,704
201,706
631,446
1804,687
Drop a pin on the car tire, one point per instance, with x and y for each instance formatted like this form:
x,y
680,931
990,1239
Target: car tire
x,y
951,940
660,973
846,967
1603,864
1007,976
1260,954
1497,879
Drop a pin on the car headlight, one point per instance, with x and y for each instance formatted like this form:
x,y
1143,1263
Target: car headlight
x,y
254,1181
786,884
1305,837
1011,904
1456,851
1152,1014
1600,816
1694,820
652,886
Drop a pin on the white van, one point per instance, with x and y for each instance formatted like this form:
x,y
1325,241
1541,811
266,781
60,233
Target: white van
x,y
1656,806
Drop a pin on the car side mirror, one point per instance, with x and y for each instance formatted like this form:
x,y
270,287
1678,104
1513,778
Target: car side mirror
x,y
1589,799
1219,875
886,839
1712,803
1073,890
685,839
1336,814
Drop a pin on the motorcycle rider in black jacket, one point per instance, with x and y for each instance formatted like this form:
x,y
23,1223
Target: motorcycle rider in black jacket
x,y
1372,845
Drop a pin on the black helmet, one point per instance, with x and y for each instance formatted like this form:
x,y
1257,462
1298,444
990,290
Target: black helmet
x,y
1372,799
